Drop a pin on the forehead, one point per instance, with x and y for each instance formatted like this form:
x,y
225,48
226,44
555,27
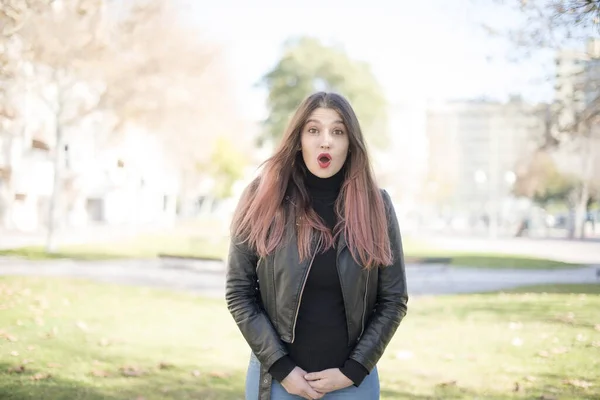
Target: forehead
x,y
325,116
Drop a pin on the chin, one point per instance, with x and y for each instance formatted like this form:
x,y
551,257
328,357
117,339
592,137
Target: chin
x,y
324,173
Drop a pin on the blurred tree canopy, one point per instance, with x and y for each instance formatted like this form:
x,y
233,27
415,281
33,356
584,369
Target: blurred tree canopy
x,y
540,180
307,66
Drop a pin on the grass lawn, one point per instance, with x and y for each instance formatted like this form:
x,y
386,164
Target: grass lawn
x,y
143,246
196,242
487,260
72,339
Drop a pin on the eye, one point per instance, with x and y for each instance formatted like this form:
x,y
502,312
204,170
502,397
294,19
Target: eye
x,y
338,132
312,130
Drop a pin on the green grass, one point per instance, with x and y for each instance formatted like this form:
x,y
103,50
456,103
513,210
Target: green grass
x,y
143,246
483,346
565,288
487,260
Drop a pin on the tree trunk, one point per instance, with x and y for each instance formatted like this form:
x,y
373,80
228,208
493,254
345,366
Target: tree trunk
x,y
7,195
56,192
581,209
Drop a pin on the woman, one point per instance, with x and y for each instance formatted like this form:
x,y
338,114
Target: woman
x,y
315,276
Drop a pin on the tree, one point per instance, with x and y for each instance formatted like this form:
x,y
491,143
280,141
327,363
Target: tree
x,y
13,17
563,28
307,66
130,66
539,179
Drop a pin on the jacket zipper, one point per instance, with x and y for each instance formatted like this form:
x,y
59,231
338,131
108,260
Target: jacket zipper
x,y
364,307
302,290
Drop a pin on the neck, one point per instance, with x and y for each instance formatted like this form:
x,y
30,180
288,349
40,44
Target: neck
x,y
324,187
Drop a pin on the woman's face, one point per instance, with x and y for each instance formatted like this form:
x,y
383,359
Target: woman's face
x,y
325,142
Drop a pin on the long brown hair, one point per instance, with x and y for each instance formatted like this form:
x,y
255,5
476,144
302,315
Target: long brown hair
x,y
279,194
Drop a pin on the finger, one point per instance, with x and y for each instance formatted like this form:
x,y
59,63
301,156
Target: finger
x,y
313,394
317,385
313,376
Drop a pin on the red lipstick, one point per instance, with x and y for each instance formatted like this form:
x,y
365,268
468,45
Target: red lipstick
x,y
324,160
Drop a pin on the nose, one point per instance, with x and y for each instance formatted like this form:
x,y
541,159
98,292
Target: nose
x,y
326,142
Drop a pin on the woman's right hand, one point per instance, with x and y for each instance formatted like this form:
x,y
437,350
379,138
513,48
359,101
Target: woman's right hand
x,y
295,383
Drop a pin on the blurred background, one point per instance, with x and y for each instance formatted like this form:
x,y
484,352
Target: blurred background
x,y
480,114
129,128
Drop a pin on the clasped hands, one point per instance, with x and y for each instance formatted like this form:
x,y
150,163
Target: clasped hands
x,y
315,385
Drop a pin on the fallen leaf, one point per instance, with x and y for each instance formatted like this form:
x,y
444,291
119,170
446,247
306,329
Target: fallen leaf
x,y
131,371
11,338
140,398
219,374
30,348
42,303
530,378
595,344
165,365
54,365
196,373
446,384
517,342
100,374
449,357
39,321
40,376
27,361
19,322
104,342
580,338
14,353
17,370
578,383
544,354
597,327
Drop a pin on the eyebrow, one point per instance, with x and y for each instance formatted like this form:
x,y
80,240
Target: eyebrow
x,y
337,121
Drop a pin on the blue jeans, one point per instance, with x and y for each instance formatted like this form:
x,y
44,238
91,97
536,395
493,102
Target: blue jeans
x,y
368,389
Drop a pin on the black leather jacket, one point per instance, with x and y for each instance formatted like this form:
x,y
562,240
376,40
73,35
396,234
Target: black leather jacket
x,y
264,294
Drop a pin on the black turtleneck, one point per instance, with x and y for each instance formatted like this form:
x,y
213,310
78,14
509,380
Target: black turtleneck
x,y
321,338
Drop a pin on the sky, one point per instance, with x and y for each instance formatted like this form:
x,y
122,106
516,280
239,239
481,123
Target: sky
x,y
419,50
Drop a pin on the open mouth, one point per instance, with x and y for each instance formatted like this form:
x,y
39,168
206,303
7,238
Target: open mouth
x,y
324,160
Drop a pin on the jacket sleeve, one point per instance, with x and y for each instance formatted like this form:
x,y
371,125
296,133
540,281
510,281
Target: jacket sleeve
x,y
241,295
392,299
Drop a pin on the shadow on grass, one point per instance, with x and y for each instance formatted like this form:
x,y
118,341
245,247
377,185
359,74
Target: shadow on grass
x,y
567,387
153,382
24,386
168,385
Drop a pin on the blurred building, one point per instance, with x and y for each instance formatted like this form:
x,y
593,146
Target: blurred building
x,y
473,151
128,181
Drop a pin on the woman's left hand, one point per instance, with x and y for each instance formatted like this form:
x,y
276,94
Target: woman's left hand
x,y
328,380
